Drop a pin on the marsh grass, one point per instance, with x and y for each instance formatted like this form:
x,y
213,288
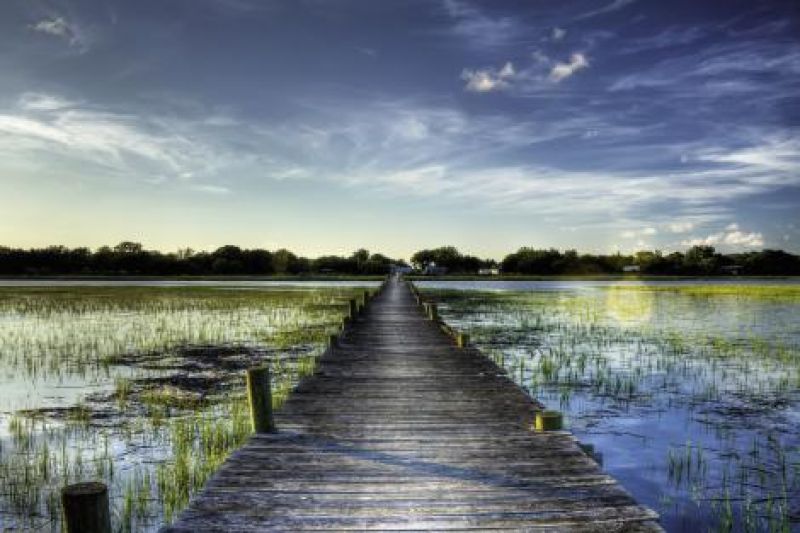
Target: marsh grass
x,y
160,375
719,365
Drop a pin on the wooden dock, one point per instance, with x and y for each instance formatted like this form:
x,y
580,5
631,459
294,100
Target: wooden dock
x,y
399,429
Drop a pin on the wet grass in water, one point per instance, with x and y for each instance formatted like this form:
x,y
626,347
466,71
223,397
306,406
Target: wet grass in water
x,y
142,388
689,393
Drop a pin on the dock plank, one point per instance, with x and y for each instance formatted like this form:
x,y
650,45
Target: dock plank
x,y
400,430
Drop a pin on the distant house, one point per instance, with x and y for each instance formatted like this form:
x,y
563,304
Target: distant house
x,y
488,271
631,268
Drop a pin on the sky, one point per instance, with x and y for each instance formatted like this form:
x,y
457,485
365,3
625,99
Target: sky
x,y
323,126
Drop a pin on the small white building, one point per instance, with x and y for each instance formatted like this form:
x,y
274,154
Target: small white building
x,y
631,268
488,271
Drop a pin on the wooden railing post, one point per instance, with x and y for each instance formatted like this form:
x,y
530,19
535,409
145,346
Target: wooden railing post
x,y
462,340
353,308
549,421
333,340
433,312
259,394
86,508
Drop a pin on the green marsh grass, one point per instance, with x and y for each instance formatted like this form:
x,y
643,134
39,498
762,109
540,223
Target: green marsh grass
x,y
708,374
147,387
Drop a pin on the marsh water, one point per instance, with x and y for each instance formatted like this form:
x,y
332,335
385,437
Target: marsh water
x,y
141,386
686,391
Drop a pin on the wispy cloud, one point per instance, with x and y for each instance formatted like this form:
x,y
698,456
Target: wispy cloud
x,y
557,34
680,226
674,36
478,28
58,26
719,69
644,232
43,102
405,147
489,79
210,189
608,8
562,71
141,148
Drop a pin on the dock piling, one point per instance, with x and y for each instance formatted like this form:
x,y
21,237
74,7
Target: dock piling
x,y
549,421
259,395
86,508
462,340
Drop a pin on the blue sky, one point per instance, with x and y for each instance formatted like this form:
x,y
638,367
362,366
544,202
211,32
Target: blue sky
x,y
324,125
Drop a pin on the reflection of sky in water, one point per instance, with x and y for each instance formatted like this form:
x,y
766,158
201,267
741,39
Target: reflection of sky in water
x,y
709,390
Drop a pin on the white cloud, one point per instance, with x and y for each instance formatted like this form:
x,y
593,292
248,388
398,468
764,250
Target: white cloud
x,y
102,142
558,33
42,102
54,26
680,227
60,27
210,189
731,237
487,80
391,147
561,71
633,234
540,57
775,154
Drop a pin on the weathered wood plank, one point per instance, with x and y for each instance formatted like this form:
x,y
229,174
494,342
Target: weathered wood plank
x,y
399,429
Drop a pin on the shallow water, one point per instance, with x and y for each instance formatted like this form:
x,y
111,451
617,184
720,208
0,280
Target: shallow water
x,y
647,379
140,387
691,401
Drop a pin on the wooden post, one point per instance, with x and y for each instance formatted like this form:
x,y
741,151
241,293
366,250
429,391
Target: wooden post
x,y
353,308
548,421
86,508
259,394
366,297
462,340
333,340
433,312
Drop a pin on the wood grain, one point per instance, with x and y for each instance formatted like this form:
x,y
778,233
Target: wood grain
x,y
400,429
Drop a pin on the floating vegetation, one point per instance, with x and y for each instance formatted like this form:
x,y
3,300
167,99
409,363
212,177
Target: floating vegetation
x,y
690,392
141,388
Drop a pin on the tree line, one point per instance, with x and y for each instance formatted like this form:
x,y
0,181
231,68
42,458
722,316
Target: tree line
x,y
130,258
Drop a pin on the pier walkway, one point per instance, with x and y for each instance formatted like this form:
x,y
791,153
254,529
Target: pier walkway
x,y
399,429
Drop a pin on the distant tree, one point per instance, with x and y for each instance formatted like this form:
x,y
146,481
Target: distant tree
x,y
700,260
282,261
131,258
129,247
360,258
448,257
